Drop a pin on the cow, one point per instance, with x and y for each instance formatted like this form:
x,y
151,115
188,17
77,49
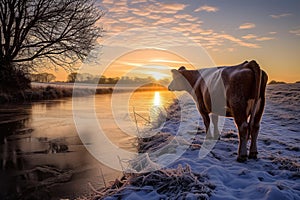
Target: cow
x,y
230,91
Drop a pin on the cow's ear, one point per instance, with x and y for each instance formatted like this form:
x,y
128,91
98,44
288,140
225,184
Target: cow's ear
x,y
182,68
174,71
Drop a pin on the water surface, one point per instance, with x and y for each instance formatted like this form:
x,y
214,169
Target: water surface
x,y
41,153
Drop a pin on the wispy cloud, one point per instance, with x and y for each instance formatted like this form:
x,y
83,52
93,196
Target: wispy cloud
x,y
140,12
207,8
237,41
107,2
257,38
165,8
165,20
173,6
186,17
295,31
247,26
264,38
137,1
280,15
249,36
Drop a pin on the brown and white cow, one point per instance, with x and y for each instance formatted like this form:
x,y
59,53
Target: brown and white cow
x,y
231,91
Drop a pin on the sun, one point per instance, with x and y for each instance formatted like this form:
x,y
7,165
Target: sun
x,y
146,62
158,75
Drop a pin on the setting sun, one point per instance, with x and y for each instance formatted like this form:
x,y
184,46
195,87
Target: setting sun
x,y
146,62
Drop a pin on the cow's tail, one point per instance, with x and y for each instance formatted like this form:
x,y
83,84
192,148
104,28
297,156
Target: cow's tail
x,y
257,76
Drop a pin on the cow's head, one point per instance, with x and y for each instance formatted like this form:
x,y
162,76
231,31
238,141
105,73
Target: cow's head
x,y
179,82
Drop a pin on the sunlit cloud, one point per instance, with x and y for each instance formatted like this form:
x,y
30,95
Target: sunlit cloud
x,y
167,61
280,15
265,38
257,38
206,32
118,9
296,32
247,26
207,8
137,1
238,41
154,17
186,17
140,12
107,1
249,36
170,8
132,20
165,20
155,67
173,6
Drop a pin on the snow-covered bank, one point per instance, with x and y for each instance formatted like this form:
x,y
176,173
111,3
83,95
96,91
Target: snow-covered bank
x,y
275,175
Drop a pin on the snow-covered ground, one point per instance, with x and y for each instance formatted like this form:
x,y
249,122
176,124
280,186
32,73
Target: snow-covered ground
x,y
276,173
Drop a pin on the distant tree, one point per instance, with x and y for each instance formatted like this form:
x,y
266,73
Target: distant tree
x,y
35,33
112,80
87,78
72,77
102,80
276,82
164,81
42,77
50,77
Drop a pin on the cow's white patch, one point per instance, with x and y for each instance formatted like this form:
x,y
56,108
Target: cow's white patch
x,y
216,88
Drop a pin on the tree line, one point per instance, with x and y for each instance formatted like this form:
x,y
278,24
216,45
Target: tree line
x,y
92,79
89,78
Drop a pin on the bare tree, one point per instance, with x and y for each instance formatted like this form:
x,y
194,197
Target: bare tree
x,y
56,33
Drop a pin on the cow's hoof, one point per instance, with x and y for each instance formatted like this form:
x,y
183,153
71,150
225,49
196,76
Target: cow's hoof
x,y
241,159
252,155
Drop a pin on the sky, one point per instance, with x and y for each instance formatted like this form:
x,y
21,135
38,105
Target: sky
x,y
226,32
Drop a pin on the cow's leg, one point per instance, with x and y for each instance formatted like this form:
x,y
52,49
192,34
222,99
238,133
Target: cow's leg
x,y
215,119
255,129
243,128
206,121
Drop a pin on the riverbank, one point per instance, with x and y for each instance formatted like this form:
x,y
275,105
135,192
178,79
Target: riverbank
x,y
144,179
50,91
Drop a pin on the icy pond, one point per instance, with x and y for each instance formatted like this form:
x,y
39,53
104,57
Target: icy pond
x,y
41,152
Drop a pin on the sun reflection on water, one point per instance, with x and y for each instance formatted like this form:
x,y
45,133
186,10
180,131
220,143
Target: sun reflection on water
x,y
156,100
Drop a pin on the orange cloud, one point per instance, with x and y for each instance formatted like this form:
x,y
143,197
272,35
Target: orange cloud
x,y
238,41
249,36
207,8
247,26
265,38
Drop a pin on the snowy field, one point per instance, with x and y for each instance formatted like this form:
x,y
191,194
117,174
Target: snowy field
x,y
274,175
